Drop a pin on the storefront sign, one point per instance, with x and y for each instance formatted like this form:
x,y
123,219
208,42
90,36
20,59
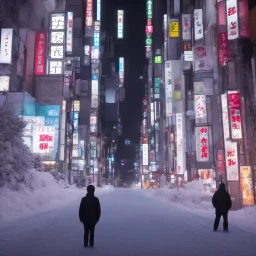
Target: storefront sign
x,y
168,89
98,10
234,104
202,144
223,48
232,19
93,124
179,144
203,58
40,53
4,83
186,27
200,109
69,34
89,13
145,154
95,92
244,22
198,24
149,7
6,46
231,161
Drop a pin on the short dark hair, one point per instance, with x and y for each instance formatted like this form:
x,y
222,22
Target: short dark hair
x,y
90,189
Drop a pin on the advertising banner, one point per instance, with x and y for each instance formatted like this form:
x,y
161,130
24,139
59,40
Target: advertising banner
x,y
246,185
157,88
203,58
4,83
6,46
40,53
223,48
95,92
200,109
177,93
43,139
186,27
231,161
225,117
234,105
168,89
202,143
120,24
121,70
149,7
89,13
232,19
144,107
145,154
31,123
179,144
198,24
69,34
174,29
244,22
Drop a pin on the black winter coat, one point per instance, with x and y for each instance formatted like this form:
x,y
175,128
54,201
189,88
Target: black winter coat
x,y
89,210
221,200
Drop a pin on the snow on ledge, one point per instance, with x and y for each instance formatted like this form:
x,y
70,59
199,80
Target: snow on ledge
x,y
47,194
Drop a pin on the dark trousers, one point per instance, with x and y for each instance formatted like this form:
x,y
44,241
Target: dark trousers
x,y
89,233
217,220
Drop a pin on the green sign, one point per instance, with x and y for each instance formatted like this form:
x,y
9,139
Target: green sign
x,y
149,41
158,60
149,9
157,85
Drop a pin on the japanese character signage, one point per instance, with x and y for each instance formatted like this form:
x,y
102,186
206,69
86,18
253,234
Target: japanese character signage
x,y
202,144
57,41
244,22
223,48
6,46
174,29
246,185
203,58
93,123
44,139
121,70
149,9
69,34
89,13
179,144
231,161
168,89
186,27
120,24
225,117
200,109
234,105
40,53
232,19
145,154
198,24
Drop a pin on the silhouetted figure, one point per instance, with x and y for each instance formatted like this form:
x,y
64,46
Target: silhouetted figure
x,y
89,214
222,203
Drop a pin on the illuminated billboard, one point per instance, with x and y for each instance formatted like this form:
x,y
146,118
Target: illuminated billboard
x,y
121,70
120,24
98,10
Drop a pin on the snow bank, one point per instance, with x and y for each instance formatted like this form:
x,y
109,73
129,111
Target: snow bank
x,y
192,196
42,193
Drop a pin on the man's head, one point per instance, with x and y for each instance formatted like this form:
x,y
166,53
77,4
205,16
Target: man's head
x,y
222,186
90,189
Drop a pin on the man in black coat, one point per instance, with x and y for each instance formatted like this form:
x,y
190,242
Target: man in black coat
x,y
222,203
89,214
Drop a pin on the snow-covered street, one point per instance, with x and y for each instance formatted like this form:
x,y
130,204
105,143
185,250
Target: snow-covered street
x,y
133,223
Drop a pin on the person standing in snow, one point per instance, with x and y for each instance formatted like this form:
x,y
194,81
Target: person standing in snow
x,y
222,203
89,214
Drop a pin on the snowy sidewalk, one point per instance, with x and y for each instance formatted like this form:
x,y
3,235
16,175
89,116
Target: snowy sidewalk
x,y
132,224
47,195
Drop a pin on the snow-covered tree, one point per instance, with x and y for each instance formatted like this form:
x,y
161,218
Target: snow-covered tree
x,y
15,157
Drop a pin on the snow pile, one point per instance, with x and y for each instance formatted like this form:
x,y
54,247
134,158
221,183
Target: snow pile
x,y
192,195
40,193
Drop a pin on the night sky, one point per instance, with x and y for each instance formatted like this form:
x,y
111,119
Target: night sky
x,y
132,48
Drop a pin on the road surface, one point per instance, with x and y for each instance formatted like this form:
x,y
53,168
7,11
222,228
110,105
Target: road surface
x,y
132,224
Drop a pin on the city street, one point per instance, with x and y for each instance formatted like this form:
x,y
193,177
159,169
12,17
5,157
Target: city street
x,y
132,224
